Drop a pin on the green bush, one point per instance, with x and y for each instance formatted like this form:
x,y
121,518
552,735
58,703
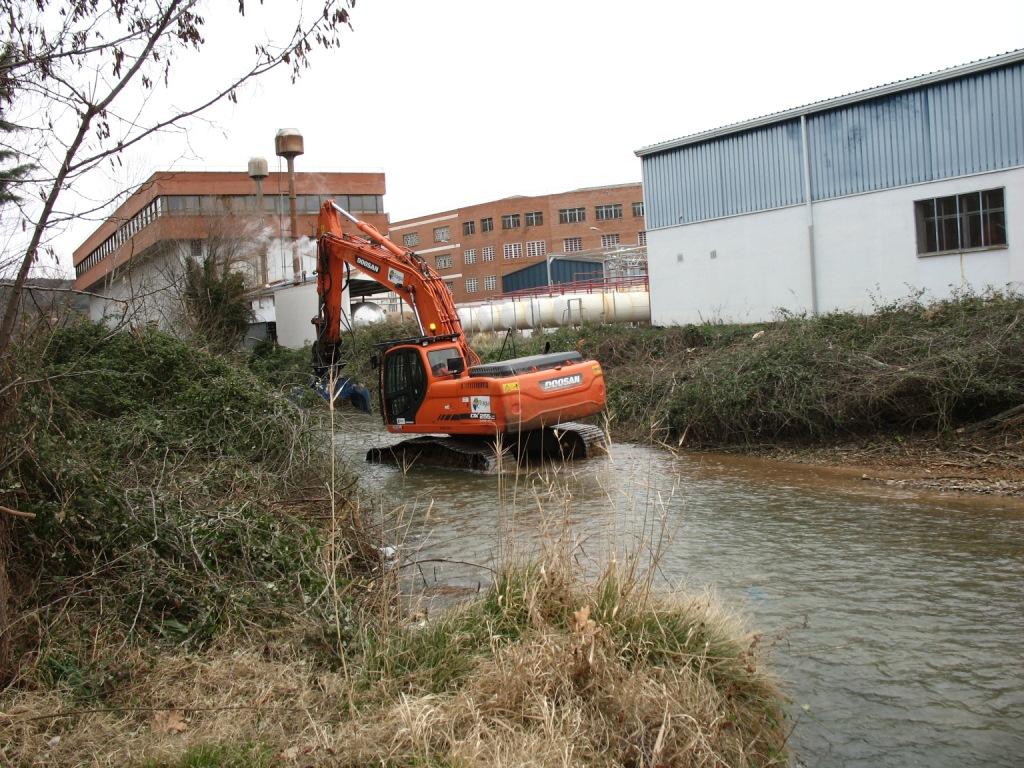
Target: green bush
x,y
907,367
158,475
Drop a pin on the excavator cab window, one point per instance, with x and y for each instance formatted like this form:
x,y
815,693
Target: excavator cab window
x,y
445,361
405,384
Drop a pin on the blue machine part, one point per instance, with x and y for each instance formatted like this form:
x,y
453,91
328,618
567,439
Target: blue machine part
x,y
344,389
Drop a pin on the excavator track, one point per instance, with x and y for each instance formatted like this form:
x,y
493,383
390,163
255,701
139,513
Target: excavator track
x,y
569,441
437,451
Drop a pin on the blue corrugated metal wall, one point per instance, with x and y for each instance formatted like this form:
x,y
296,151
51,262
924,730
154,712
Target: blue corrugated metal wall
x,y
739,173
562,271
954,128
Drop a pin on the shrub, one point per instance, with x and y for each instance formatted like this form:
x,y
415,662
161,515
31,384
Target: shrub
x,y
168,488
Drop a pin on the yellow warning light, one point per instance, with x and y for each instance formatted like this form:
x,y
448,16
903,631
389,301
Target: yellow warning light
x,y
433,327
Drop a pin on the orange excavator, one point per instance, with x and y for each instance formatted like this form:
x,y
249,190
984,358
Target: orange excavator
x,y
464,413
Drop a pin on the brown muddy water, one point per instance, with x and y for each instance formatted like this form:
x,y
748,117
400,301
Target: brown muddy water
x,y
898,618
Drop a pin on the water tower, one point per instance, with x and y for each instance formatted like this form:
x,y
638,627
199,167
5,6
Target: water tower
x,y
258,172
288,144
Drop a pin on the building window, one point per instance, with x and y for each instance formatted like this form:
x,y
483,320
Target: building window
x,y
510,221
513,250
450,285
638,210
959,222
444,261
490,283
469,257
196,249
469,228
572,215
411,240
572,244
607,241
487,254
535,219
606,212
442,234
471,285
641,238
487,225
536,248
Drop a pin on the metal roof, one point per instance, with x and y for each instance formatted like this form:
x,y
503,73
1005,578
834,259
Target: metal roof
x,y
951,73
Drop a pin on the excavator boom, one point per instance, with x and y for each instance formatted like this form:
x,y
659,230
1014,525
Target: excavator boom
x,y
396,268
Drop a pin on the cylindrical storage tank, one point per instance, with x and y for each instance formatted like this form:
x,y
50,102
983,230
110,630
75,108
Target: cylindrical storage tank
x,y
554,311
288,143
258,168
367,313
593,308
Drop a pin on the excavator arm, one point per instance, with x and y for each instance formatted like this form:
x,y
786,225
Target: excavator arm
x,y
396,268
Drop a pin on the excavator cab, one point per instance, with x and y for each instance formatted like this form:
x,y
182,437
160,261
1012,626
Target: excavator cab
x,y
445,362
407,370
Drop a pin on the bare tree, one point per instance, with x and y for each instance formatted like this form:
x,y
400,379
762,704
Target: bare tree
x,y
216,287
81,79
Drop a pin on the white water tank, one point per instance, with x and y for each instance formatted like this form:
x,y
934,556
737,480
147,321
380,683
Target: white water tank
x,y
368,313
554,311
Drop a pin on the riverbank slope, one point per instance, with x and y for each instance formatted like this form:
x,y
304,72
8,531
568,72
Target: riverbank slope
x,y
922,395
188,579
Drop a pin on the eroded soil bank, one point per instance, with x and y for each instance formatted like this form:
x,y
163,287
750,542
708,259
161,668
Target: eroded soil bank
x,y
991,464
926,396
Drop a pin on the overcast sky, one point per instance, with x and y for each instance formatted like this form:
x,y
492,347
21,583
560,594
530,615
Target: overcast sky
x,y
464,101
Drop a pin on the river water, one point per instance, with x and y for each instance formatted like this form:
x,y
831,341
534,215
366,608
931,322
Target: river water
x,y
898,618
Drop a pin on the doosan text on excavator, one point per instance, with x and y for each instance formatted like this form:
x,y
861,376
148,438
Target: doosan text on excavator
x,y
465,413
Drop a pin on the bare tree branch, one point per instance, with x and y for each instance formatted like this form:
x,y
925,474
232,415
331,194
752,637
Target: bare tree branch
x,y
69,67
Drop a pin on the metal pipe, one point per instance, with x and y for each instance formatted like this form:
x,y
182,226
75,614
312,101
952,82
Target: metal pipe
x,y
344,213
296,263
264,270
809,205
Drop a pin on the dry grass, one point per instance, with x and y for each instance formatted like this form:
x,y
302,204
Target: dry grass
x,y
547,671
540,671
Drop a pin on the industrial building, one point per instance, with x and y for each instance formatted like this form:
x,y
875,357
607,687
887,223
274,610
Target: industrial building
x,y
132,262
915,186
476,247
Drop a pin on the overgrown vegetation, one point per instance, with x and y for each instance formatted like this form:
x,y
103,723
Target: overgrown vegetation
x,y
184,597
909,367
176,499
216,301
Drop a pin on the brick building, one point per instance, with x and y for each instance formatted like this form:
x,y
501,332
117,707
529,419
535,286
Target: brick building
x,y
134,257
473,247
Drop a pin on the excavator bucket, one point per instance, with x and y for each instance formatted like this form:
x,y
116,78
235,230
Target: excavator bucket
x,y
344,389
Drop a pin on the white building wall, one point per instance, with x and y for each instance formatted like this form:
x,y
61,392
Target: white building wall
x,y
144,292
865,252
866,246
295,307
737,269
